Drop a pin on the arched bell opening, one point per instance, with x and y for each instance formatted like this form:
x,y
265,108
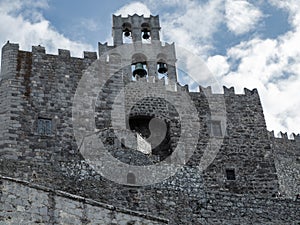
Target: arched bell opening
x,y
145,33
139,70
139,66
127,33
162,66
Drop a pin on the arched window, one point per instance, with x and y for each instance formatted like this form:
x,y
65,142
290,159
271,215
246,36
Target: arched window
x,y
127,33
131,178
146,33
162,66
139,66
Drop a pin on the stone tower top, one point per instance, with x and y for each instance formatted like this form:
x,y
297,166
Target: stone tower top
x,y
138,27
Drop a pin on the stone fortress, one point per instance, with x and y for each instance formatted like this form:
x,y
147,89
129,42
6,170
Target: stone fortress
x,y
229,168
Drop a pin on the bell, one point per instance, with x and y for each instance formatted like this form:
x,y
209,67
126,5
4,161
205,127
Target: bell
x,y
162,68
146,35
127,32
139,70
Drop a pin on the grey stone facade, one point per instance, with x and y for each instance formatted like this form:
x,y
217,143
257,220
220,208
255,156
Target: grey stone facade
x,y
253,178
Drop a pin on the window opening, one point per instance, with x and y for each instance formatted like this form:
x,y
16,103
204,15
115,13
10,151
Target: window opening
x,y
230,174
44,126
216,129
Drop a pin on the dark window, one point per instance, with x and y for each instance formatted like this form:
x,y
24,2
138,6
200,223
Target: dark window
x,y
230,174
130,178
216,128
44,126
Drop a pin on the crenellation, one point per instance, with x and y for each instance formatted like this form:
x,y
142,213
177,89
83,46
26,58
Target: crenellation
x,y
206,90
64,53
103,48
271,134
282,135
250,92
185,88
238,172
296,136
228,91
38,50
90,55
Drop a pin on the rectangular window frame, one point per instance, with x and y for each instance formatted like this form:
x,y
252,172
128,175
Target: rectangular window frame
x,y
230,174
216,128
44,126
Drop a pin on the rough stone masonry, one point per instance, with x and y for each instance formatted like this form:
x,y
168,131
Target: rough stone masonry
x,y
254,178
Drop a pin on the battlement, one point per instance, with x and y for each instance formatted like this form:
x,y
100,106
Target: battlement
x,y
134,19
227,91
206,90
163,49
50,103
40,50
136,15
284,136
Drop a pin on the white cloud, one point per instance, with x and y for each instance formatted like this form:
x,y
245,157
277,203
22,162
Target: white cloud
x,y
193,24
272,66
132,8
241,16
218,65
16,27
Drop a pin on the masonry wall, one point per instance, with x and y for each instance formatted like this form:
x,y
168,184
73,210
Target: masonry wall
x,y
38,85
226,208
9,93
287,161
24,203
245,147
44,86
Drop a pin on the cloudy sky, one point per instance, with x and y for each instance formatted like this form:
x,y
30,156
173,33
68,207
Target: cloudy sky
x,y
244,43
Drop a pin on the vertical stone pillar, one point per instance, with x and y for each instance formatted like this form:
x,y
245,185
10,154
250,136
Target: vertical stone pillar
x,y
9,85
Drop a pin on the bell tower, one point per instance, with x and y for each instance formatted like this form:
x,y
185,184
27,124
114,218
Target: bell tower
x,y
143,33
136,27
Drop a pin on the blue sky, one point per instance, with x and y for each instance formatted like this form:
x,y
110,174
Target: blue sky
x,y
244,43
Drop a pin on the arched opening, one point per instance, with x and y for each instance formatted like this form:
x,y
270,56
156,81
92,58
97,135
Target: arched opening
x,y
146,33
139,66
162,66
131,178
127,33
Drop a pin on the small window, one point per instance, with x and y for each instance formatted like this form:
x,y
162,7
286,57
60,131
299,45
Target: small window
x,y
130,178
44,126
216,129
230,174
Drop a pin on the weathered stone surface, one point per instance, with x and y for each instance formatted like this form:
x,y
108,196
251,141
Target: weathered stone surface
x,y
36,85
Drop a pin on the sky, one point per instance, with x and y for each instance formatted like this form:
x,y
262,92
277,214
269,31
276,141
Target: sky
x,y
244,43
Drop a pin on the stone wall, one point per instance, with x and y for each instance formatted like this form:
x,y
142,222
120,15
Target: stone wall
x,y
245,147
235,209
287,161
25,203
38,85
9,93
